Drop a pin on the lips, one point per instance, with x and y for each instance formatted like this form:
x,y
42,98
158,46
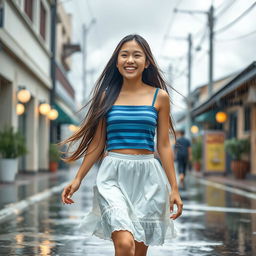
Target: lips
x,y
129,68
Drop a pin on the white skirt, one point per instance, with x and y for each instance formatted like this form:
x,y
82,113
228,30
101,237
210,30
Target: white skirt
x,y
131,193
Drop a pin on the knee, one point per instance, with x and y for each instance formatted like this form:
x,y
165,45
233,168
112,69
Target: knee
x,y
125,247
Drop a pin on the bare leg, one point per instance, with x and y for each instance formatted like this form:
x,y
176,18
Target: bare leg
x,y
124,243
140,249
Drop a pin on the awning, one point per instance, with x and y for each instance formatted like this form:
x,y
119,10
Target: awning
x,y
206,117
64,117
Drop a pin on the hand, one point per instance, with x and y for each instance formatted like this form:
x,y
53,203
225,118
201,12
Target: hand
x,y
69,190
175,199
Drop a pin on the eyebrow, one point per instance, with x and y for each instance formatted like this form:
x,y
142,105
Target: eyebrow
x,y
128,51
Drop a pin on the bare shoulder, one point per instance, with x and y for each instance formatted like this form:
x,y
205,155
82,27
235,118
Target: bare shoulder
x,y
163,99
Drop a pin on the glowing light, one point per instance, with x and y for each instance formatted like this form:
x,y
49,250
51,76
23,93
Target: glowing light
x,y
53,114
221,117
73,128
23,95
194,129
44,108
20,109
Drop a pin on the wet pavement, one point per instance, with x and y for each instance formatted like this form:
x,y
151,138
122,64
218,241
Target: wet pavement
x,y
215,221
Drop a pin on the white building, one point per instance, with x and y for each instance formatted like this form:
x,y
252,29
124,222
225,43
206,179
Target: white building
x,y
25,62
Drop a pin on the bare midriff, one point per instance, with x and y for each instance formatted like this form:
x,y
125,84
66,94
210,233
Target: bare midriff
x,y
132,151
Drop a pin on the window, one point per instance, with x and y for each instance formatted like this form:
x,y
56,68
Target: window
x,y
1,14
247,119
42,21
28,8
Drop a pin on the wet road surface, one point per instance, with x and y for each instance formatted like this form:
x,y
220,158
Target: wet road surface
x,y
214,222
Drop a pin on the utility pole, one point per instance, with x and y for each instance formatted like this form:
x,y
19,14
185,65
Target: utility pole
x,y
189,121
53,132
85,30
211,38
189,75
210,18
84,64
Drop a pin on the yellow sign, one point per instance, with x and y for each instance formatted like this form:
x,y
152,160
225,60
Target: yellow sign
x,y
214,152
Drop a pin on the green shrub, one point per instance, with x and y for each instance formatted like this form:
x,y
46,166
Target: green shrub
x,y
12,144
54,153
236,147
197,149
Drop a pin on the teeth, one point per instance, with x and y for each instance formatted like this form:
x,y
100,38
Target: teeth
x,y
130,68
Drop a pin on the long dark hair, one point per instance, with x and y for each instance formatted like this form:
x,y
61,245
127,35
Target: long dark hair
x,y
101,102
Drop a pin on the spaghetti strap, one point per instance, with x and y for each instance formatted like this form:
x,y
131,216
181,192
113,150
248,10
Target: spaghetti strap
x,y
155,96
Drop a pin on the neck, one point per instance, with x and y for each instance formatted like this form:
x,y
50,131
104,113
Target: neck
x,y
132,84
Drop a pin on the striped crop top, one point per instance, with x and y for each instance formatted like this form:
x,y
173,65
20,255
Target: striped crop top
x,y
131,126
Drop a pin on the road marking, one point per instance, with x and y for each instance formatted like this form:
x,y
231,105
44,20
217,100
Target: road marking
x,y
227,188
217,208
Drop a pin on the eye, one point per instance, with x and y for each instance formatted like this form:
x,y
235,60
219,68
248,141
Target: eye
x,y
123,55
137,55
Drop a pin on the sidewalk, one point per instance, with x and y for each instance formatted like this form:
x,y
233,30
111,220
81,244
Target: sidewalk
x,y
29,189
230,180
27,185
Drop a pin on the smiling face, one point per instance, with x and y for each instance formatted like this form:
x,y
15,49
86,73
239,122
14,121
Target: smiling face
x,y
131,60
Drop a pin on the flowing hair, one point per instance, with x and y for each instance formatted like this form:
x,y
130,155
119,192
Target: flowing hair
x,y
111,80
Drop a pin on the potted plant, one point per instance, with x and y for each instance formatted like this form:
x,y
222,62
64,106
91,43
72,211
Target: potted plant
x,y
54,157
197,154
236,148
12,145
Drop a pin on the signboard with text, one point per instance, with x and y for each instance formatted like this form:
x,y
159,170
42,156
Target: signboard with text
x,y
214,159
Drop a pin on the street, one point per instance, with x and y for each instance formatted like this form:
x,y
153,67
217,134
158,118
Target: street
x,y
214,222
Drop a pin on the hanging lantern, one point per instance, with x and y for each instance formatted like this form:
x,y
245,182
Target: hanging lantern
x,y
44,108
23,95
20,109
221,117
53,114
73,128
194,129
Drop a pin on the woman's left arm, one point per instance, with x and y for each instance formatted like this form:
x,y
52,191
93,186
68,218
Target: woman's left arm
x,y
165,151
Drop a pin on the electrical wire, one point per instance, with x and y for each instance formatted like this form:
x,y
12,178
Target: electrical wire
x,y
221,12
236,38
169,27
236,19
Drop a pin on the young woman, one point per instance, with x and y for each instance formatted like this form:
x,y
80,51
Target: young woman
x,y
134,194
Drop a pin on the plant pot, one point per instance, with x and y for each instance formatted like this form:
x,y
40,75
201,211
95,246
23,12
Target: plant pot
x,y
8,169
197,166
53,166
239,168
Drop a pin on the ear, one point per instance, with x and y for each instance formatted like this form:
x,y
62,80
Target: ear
x,y
147,64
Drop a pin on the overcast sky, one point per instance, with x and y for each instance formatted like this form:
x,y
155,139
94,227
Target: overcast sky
x,y
156,21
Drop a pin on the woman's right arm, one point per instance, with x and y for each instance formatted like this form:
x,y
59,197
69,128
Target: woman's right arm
x,y
95,148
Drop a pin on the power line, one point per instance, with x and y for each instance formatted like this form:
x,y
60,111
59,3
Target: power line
x,y
236,38
170,23
229,4
236,20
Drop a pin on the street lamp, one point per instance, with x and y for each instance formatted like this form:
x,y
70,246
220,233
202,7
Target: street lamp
x,y
44,108
53,114
221,117
23,94
194,129
20,109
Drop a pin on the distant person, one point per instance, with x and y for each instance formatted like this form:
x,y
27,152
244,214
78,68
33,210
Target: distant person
x,y
183,155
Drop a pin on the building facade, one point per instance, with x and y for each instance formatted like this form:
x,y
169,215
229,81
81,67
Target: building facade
x,y
25,63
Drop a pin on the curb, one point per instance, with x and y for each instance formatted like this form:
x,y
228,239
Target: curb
x,y
15,209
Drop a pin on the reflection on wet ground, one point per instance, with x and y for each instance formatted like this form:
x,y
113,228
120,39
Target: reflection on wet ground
x,y
49,227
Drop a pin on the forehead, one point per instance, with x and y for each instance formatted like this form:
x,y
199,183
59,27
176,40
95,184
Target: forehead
x,y
131,46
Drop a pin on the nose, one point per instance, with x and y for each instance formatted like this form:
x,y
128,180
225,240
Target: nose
x,y
130,59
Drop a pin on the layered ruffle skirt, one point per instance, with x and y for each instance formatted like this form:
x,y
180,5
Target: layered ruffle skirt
x,y
131,193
